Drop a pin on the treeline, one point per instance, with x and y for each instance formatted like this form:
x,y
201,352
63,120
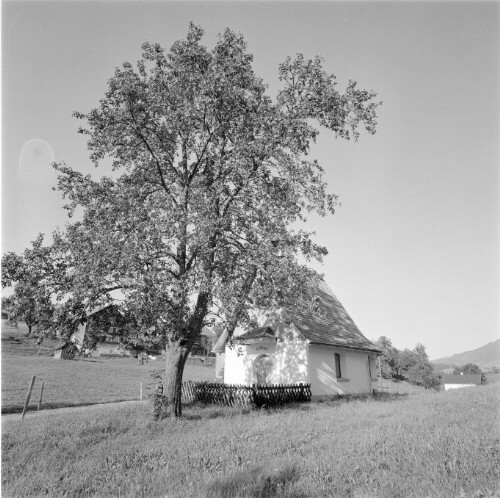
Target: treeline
x,y
410,365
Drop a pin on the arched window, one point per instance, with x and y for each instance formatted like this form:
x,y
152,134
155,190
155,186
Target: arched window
x,y
262,369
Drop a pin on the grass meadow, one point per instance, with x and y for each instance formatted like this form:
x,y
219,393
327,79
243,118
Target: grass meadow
x,y
428,444
73,382
81,381
444,444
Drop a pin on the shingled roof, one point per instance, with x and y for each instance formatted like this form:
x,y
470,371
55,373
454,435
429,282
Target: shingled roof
x,y
331,325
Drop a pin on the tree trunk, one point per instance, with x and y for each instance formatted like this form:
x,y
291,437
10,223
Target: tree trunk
x,y
177,352
176,356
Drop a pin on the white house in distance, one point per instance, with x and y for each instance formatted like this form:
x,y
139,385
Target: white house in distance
x,y
325,349
457,381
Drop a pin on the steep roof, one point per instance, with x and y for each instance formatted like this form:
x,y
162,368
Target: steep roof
x,y
331,325
472,379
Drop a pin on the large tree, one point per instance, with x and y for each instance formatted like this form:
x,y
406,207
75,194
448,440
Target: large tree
x,y
419,370
211,175
410,365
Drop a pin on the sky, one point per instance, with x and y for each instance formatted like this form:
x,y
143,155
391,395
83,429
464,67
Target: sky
x,y
414,247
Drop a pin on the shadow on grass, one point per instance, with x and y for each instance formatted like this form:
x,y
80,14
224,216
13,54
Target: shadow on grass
x,y
89,361
199,411
256,482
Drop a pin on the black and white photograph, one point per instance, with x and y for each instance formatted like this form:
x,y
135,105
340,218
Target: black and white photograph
x,y
250,249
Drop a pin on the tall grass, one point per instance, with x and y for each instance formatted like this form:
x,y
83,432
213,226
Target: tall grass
x,y
436,444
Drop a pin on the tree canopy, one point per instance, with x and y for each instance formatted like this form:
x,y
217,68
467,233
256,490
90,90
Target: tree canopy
x,y
469,368
410,365
37,277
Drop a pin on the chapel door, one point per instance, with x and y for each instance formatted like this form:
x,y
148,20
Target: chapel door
x,y
262,369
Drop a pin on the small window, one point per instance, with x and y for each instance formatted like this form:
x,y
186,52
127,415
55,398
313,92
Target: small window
x,y
337,366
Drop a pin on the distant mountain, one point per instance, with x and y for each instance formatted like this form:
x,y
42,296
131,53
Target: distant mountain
x,y
484,357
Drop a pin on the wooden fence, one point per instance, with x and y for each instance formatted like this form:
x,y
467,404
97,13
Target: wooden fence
x,y
246,396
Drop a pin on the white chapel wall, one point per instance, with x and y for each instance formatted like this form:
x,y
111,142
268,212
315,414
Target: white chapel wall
x,y
322,372
289,362
235,366
240,359
357,372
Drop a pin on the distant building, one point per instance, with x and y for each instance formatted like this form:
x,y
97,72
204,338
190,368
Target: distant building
x,y
457,381
108,329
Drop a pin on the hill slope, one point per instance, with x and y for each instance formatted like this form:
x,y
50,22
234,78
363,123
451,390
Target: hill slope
x,y
484,357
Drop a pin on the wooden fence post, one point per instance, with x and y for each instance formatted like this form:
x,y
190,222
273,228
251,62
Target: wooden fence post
x,y
29,396
41,394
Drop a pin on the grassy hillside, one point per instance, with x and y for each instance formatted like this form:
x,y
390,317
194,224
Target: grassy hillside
x,y
77,382
73,382
443,444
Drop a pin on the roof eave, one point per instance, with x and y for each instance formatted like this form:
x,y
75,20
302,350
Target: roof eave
x,y
357,348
